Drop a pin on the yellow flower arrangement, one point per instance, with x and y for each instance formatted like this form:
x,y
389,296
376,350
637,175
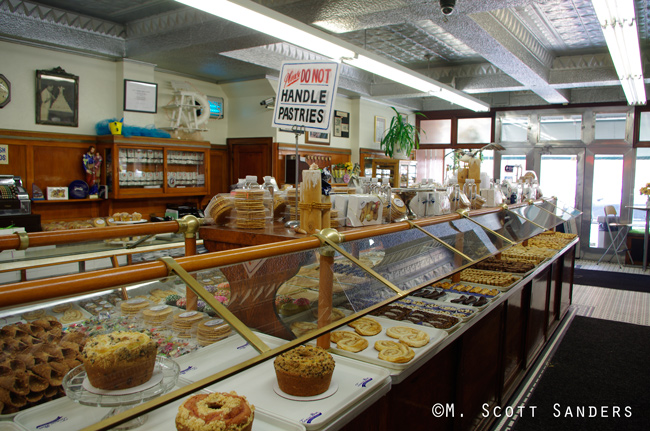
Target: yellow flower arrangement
x,y
645,190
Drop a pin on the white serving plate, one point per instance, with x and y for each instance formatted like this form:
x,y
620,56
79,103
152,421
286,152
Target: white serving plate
x,y
357,382
130,222
370,355
66,415
10,426
230,352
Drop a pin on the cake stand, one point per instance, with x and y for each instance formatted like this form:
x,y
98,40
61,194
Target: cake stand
x,y
78,389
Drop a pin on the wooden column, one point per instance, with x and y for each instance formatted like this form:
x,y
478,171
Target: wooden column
x,y
325,298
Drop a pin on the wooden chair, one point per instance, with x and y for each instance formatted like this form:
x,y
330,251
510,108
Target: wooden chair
x,y
618,243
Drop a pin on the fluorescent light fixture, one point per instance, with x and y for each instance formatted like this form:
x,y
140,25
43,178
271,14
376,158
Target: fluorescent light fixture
x,y
618,22
268,21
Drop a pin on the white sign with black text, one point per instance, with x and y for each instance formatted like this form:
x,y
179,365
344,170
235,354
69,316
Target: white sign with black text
x,y
306,94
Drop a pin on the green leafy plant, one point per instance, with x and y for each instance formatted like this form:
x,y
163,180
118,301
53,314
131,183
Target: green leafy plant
x,y
401,135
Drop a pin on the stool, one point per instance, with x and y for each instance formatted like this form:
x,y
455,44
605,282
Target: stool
x,y
617,242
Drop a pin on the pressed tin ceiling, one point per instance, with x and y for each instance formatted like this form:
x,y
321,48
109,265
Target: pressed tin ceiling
x,y
504,52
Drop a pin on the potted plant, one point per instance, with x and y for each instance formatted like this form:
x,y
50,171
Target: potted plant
x,y
401,138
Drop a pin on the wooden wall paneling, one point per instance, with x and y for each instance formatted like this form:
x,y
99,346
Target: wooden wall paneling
x,y
250,156
49,160
218,176
17,157
566,294
536,330
553,299
478,371
513,343
410,401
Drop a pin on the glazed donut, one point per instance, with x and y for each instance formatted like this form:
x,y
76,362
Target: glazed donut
x,y
349,341
366,326
216,411
409,336
391,351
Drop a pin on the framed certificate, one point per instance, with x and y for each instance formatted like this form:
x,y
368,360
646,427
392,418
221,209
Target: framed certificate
x,y
140,96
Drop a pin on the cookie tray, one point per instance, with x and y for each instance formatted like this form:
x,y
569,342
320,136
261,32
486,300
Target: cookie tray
x,y
357,382
66,415
449,295
462,312
231,351
370,355
492,286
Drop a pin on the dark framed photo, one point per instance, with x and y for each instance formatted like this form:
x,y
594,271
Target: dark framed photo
x,y
57,98
140,96
322,138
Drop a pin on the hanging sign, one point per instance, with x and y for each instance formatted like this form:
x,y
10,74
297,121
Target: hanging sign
x,y
306,94
4,154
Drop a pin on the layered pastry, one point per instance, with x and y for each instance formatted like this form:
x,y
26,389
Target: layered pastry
x,y
221,208
133,306
119,360
304,371
218,411
212,331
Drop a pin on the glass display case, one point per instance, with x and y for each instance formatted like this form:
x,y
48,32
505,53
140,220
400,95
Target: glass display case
x,y
400,173
144,167
247,307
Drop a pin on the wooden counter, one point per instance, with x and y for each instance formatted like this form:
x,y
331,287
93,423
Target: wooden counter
x,y
218,238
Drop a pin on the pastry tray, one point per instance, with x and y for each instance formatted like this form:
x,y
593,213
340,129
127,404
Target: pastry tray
x,y
231,351
356,383
518,278
460,311
449,296
370,355
66,415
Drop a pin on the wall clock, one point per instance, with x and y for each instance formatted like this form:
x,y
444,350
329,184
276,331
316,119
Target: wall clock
x,y
5,91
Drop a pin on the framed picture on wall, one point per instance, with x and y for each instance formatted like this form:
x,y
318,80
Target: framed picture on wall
x,y
342,124
380,128
57,98
312,137
140,96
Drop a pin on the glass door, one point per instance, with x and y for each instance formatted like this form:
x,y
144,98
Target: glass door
x,y
561,174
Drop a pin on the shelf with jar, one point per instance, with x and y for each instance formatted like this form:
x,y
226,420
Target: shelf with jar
x,y
400,173
145,167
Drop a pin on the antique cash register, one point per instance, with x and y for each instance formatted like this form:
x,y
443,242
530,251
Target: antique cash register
x,y
15,206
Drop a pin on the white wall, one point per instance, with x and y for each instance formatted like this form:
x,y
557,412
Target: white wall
x,y
97,83
101,92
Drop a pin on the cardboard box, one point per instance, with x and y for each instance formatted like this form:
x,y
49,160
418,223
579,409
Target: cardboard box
x,y
364,210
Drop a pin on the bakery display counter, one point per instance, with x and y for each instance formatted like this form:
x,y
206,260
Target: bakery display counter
x,y
258,303
46,254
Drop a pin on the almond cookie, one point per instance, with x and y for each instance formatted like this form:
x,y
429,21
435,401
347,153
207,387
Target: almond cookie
x,y
366,326
392,351
349,341
410,336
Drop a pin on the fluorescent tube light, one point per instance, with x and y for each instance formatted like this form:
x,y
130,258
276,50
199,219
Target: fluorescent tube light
x,y
265,20
268,21
618,21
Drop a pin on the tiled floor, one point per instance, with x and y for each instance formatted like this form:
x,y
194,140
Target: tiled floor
x,y
608,266
612,304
